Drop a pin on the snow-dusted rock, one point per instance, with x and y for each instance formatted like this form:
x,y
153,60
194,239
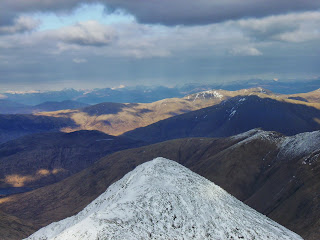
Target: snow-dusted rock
x,y
161,199
300,145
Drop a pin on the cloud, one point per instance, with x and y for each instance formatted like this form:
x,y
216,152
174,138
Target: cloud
x,y
168,12
20,24
190,12
79,60
90,33
132,52
294,27
245,51
13,9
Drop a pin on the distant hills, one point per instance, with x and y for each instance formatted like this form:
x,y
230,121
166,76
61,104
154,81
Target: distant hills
x,y
10,107
276,175
147,94
17,125
233,116
118,118
56,106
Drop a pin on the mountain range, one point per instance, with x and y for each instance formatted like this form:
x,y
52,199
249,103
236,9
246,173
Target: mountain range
x,y
147,94
118,118
61,167
233,116
10,107
276,175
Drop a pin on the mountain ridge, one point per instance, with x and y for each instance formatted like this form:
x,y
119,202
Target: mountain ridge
x,y
118,118
233,116
161,199
245,166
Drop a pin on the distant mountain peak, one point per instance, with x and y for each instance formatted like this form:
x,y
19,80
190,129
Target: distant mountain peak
x,y
161,199
208,94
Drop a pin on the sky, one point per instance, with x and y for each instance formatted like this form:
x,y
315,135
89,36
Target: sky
x,y
56,44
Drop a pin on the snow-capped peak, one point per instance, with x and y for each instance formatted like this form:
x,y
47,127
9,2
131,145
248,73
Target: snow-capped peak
x,y
209,94
161,199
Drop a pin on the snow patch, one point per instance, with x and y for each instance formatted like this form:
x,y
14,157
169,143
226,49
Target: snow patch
x,y
208,94
232,113
255,134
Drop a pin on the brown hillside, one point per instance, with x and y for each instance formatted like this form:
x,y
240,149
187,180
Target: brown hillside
x,y
282,185
117,118
41,159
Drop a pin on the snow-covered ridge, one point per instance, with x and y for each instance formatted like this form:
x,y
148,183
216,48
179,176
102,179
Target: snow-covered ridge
x,y
161,199
209,94
257,133
300,145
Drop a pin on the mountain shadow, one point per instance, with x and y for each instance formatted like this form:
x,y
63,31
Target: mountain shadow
x,y
233,116
41,159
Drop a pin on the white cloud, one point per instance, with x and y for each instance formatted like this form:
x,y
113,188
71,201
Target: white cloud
x,y
21,24
294,27
79,60
90,33
245,51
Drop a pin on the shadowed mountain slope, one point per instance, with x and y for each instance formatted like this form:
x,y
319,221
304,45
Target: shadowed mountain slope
x,y
17,125
278,176
10,107
13,228
231,117
42,159
56,106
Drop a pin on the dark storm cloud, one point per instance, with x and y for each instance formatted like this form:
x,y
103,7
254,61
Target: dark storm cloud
x,y
169,12
190,12
11,9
